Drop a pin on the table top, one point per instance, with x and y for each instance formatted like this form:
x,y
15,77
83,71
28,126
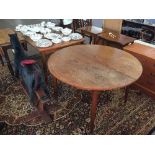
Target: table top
x,y
92,30
4,38
94,67
54,46
119,38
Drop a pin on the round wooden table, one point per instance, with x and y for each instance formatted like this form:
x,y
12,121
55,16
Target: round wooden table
x,y
95,68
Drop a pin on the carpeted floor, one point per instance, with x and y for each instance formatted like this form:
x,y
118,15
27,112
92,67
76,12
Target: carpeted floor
x,y
72,110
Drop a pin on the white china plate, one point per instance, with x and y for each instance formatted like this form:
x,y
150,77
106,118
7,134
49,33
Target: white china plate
x,y
43,43
52,36
36,37
56,41
66,39
29,33
75,36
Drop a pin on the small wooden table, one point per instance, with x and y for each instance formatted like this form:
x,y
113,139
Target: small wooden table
x,y
5,44
92,31
119,40
94,68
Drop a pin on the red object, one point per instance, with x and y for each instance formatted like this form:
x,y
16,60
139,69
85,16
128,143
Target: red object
x,y
28,62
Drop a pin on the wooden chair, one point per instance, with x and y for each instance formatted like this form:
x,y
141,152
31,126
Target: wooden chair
x,y
79,23
1,55
113,25
147,35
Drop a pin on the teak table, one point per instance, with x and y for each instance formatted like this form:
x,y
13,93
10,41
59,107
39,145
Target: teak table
x,y
94,68
5,45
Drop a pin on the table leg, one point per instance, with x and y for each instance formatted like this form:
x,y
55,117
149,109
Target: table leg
x,y
91,41
55,82
93,110
8,60
43,59
126,94
94,38
1,60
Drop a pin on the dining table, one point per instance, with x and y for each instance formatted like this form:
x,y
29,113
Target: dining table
x,y
94,68
25,40
5,45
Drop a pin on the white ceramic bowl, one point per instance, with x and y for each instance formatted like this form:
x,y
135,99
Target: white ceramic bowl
x,y
18,28
66,39
66,31
43,23
57,28
50,25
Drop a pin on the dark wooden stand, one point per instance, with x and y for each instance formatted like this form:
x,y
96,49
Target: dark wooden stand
x,y
40,102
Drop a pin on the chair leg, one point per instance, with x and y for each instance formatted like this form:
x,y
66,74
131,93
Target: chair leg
x,y
90,41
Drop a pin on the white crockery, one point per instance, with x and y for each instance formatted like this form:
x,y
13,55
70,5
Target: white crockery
x,y
29,33
18,28
36,29
66,39
52,36
47,30
43,43
50,25
75,36
56,41
66,31
36,37
43,23
57,28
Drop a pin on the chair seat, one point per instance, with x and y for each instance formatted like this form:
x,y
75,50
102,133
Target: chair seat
x,y
79,31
